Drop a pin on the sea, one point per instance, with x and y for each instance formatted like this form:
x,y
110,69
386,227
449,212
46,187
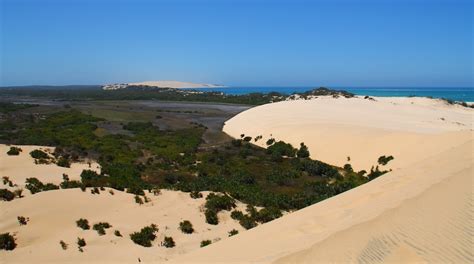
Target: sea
x,y
465,94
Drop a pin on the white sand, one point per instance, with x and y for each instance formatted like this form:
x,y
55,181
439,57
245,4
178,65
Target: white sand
x,y
53,216
421,212
175,84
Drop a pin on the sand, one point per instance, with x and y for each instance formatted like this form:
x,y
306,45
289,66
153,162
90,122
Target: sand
x,y
19,168
421,212
53,216
175,84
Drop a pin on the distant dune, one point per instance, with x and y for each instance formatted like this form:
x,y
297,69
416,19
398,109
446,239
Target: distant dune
x,y
421,212
161,84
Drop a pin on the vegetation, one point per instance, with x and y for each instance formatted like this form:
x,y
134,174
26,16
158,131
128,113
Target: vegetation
x,y
145,236
100,227
7,242
36,186
233,232
216,203
186,227
83,224
14,151
63,244
384,160
117,233
205,243
81,242
23,220
168,242
6,195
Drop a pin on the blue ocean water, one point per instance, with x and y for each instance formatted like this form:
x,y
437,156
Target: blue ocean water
x,y
465,94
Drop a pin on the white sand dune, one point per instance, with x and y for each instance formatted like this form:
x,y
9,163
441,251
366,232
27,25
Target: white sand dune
x,y
421,212
175,84
53,216
19,168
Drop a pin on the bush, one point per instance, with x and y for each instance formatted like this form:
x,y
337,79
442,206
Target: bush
x,y
268,214
7,242
63,245
233,232
117,233
219,202
303,152
100,227
145,236
168,242
23,220
34,185
247,222
63,162
83,223
383,160
138,200
39,154
195,195
81,242
211,217
236,215
6,195
205,243
186,227
280,149
14,151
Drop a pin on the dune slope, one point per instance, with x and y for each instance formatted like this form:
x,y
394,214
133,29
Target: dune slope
x,y
420,212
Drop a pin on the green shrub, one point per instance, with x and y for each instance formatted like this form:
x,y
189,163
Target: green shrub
x,y
138,200
205,243
34,185
145,236
219,202
63,245
211,217
39,154
6,195
81,242
247,222
303,152
100,227
233,232
14,151
236,215
7,242
280,149
83,223
384,160
186,227
268,214
117,233
63,162
168,242
195,194
23,220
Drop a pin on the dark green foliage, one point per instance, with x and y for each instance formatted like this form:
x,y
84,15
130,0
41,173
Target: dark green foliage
x,y
145,236
63,162
247,222
117,233
348,168
168,242
280,149
268,214
6,195
303,152
90,178
247,139
35,185
63,244
211,217
236,215
318,168
70,184
383,160
219,202
205,243
375,173
81,242
39,154
233,232
11,107
100,227
186,227
14,151
270,141
23,220
195,194
7,242
83,223
138,200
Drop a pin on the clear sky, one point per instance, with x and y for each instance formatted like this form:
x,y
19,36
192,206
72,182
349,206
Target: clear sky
x,y
247,43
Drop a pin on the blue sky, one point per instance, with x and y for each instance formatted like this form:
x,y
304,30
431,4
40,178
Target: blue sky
x,y
247,43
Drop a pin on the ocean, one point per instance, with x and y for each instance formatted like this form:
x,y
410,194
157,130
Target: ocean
x,y
465,94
